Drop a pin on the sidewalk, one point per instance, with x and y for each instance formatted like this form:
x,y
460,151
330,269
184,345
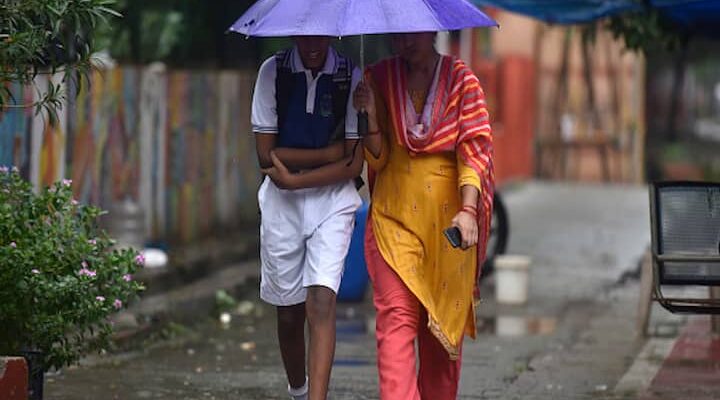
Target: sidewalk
x,y
682,364
186,288
692,369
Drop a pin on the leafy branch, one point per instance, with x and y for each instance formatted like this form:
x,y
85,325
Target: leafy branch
x,y
47,37
646,31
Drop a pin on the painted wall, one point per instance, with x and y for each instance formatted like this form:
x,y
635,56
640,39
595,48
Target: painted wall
x,y
176,142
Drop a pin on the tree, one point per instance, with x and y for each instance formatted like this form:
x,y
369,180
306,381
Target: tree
x,y
47,37
646,31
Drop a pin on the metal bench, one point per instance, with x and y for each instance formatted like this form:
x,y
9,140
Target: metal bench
x,y
685,247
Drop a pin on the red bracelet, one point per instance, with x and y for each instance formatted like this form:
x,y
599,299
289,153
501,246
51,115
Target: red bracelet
x,y
469,207
470,210
472,214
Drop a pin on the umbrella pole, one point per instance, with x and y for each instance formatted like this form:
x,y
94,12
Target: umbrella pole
x,y
362,114
362,56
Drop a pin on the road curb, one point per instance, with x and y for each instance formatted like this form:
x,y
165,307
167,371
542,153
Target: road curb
x,y
13,378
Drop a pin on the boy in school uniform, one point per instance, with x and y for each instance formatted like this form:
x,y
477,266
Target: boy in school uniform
x,y
306,131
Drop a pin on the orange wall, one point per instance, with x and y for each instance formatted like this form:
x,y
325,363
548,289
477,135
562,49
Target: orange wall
x,y
509,87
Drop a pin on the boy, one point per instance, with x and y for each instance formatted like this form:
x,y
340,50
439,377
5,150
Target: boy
x,y
306,131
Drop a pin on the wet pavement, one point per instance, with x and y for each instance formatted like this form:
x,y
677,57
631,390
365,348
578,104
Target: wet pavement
x,y
573,340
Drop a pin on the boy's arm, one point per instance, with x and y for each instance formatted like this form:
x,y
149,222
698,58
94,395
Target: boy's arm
x,y
342,170
295,159
299,159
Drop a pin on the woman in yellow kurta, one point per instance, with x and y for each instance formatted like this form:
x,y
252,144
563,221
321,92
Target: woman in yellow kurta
x,y
429,151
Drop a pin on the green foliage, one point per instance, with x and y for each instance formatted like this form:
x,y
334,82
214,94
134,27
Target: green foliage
x,y
180,33
149,32
47,36
60,278
224,302
646,31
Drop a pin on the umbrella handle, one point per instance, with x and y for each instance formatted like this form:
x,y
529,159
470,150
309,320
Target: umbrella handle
x,y
362,124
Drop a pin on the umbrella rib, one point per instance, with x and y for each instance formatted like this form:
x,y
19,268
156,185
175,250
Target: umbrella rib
x,y
437,22
260,21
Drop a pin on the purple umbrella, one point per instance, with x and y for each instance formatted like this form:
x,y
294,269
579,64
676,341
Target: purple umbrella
x,y
357,17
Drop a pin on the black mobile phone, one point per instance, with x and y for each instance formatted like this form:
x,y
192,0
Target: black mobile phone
x,y
453,236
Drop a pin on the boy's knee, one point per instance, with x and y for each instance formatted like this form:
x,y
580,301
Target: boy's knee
x,y
320,304
292,316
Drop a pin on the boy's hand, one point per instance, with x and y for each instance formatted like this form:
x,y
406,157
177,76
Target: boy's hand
x,y
280,175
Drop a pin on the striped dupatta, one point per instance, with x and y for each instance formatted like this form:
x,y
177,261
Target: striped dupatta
x,y
459,122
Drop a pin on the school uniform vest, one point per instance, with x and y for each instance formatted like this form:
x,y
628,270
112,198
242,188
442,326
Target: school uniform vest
x,y
296,127
301,130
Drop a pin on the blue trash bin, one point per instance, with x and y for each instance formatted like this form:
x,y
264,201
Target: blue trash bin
x,y
355,278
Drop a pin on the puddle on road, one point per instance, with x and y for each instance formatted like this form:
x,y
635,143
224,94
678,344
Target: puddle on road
x,y
515,325
352,324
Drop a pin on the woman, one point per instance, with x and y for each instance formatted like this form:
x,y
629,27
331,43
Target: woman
x,y
429,150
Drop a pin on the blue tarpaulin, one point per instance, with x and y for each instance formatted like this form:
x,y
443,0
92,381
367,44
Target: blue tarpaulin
x,y
564,11
695,16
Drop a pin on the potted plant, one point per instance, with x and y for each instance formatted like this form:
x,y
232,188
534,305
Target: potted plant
x,y
60,276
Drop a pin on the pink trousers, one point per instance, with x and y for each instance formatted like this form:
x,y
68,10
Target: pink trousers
x,y
401,319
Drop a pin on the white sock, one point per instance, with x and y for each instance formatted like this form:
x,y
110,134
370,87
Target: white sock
x,y
300,393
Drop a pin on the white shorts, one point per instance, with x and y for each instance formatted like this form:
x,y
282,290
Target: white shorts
x,y
304,239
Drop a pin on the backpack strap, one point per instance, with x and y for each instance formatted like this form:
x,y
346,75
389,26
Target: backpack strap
x,y
342,83
283,85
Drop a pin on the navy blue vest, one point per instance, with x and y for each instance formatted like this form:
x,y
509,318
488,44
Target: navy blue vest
x,y
300,129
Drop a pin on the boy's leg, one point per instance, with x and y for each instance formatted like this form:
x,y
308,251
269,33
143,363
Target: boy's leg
x,y
282,256
320,308
291,335
439,376
325,254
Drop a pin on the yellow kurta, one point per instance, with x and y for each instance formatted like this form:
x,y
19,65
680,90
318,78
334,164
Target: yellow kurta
x,y
414,199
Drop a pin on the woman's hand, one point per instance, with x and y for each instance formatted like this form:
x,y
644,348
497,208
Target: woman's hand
x,y
280,175
468,228
364,100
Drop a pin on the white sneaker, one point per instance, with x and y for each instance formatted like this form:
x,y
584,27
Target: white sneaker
x,y
300,393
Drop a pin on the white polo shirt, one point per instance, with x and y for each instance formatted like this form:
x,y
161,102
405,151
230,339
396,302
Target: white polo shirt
x,y
264,105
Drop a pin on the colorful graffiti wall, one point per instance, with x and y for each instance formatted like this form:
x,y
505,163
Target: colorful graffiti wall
x,y
176,142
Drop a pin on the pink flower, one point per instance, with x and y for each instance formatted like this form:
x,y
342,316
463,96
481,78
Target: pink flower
x,y
35,271
100,298
74,202
84,264
140,260
127,278
87,272
4,169
92,242
117,304
67,182
13,245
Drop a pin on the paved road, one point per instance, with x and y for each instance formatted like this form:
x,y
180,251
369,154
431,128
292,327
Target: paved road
x,y
573,340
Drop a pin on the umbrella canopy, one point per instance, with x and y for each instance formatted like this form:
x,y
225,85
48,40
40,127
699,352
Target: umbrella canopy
x,y
357,17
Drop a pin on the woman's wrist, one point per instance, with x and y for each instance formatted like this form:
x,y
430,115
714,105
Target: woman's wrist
x,y
471,210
